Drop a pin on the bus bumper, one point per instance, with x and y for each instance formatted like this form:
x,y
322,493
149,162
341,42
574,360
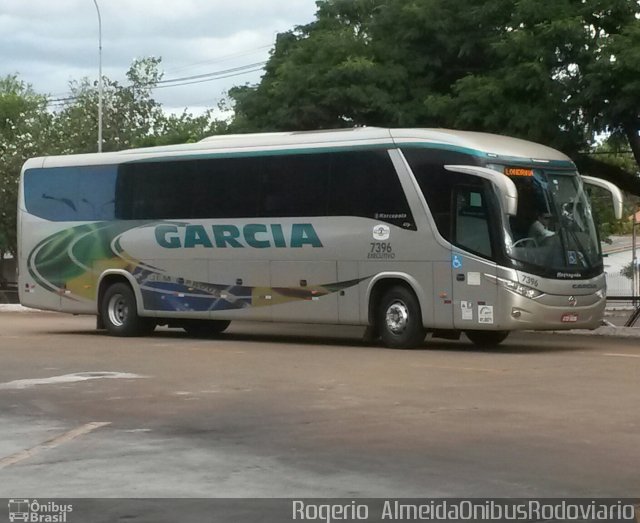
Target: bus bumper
x,y
551,312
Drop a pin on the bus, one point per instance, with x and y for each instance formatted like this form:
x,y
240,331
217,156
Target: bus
x,y
405,231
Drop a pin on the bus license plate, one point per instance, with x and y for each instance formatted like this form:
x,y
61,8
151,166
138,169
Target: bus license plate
x,y
569,318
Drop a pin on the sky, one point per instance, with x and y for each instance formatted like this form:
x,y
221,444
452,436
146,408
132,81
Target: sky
x,y
50,42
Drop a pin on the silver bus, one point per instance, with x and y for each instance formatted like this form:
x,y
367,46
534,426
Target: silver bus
x,y
406,231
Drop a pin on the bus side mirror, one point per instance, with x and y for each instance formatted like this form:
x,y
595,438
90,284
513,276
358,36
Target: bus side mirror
x,y
614,190
505,186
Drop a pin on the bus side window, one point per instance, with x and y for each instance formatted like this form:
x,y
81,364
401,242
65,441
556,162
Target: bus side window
x,y
366,184
295,185
471,220
436,183
79,193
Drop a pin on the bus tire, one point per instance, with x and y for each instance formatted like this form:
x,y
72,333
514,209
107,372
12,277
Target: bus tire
x,y
205,328
120,313
487,338
399,320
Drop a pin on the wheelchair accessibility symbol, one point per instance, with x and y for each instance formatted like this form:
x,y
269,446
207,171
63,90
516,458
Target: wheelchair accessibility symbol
x,y
456,261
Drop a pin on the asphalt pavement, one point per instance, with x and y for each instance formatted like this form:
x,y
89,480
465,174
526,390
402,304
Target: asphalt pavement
x,y
309,410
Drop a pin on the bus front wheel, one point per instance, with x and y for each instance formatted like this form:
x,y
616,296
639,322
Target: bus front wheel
x,y
120,314
487,338
399,320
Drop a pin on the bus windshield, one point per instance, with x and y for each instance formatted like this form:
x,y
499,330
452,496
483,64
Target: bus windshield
x,y
553,233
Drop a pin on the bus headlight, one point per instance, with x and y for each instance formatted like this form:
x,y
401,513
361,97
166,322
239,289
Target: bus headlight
x,y
518,288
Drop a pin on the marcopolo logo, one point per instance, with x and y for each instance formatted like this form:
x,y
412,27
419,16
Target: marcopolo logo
x,y
256,235
37,512
381,232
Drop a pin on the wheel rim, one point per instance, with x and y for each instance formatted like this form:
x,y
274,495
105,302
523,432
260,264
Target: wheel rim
x,y
118,310
397,317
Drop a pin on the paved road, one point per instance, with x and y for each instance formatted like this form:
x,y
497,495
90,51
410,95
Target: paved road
x,y
300,410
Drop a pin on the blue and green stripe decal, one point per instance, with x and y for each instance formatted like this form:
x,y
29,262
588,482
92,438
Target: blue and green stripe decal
x,y
70,262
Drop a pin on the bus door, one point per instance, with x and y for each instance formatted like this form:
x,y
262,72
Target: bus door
x,y
474,239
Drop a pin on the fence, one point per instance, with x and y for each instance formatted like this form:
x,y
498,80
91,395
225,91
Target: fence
x,y
619,285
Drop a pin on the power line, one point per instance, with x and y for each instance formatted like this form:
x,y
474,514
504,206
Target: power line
x,y
223,58
209,79
213,74
59,98
185,80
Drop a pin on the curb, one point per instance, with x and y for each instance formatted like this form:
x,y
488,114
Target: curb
x,y
618,332
16,307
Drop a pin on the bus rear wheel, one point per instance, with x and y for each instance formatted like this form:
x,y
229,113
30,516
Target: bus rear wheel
x,y
487,338
120,313
399,320
205,328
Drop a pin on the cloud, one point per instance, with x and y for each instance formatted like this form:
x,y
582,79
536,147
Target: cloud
x,y
51,42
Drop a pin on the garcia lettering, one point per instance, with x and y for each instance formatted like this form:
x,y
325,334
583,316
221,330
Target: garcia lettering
x,y
255,235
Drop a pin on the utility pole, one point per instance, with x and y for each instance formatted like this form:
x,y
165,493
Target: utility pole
x,y
100,78
634,257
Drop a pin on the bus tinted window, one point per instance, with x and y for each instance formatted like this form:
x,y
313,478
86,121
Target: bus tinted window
x,y
190,189
296,185
366,184
71,193
350,183
436,182
354,183
458,202
472,220
225,188
252,187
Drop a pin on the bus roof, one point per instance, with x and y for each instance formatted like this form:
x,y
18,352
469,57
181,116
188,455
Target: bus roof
x,y
465,141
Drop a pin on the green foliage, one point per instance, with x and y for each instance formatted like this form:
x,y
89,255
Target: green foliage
x,y
627,270
615,151
553,72
24,132
129,112
612,154
131,118
602,208
186,128
322,75
610,86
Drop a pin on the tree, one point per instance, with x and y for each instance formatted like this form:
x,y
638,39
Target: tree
x,y
24,132
184,128
567,72
610,85
322,75
131,118
28,129
371,62
130,114
552,72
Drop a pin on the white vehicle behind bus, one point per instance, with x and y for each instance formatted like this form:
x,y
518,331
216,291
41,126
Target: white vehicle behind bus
x,y
407,231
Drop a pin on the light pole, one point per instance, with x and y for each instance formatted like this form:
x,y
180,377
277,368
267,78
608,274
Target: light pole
x,y
634,258
99,77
